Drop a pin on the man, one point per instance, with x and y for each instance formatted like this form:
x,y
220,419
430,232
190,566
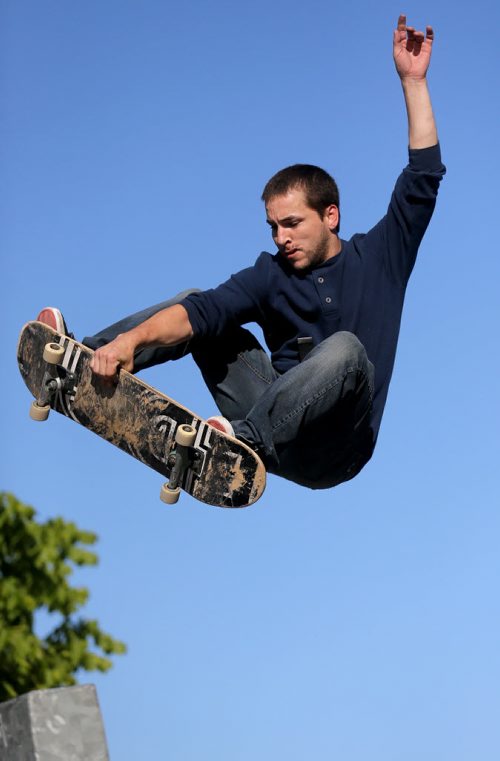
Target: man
x,y
330,310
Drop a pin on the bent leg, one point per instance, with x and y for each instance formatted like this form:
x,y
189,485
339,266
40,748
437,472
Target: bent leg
x,y
313,422
236,370
149,356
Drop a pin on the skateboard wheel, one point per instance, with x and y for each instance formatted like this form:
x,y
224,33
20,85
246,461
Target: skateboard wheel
x,y
185,435
39,412
169,496
53,353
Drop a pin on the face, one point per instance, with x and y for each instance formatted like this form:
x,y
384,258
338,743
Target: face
x,y
303,237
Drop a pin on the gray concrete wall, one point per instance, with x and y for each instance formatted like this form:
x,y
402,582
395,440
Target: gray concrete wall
x,y
63,724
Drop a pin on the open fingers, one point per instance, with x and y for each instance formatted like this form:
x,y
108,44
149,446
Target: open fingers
x,y
414,40
413,36
402,22
400,31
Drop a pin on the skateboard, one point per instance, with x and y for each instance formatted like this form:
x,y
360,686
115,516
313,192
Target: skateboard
x,y
204,462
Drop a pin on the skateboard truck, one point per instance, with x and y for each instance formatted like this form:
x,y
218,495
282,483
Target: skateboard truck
x,y
181,458
51,383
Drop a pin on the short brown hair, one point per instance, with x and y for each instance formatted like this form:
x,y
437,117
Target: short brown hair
x,y
319,187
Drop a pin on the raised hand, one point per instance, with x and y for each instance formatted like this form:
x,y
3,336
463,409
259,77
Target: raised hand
x,y
412,50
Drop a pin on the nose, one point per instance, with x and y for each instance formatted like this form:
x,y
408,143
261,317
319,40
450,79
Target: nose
x,y
282,237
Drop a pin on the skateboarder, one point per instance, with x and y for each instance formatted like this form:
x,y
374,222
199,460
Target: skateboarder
x,y
329,308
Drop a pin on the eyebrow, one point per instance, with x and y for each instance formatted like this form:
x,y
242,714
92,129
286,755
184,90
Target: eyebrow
x,y
285,220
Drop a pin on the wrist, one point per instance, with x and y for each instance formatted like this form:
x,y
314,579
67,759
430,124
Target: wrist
x,y
414,83
132,339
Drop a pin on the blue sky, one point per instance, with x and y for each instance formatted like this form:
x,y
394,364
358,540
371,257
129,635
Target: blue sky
x,y
361,622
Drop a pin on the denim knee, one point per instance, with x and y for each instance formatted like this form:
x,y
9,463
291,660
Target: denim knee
x,y
341,352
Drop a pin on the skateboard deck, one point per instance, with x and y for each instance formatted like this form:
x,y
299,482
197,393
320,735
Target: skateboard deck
x,y
211,466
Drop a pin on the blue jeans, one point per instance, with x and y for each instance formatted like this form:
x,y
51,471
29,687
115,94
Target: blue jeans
x,y
310,425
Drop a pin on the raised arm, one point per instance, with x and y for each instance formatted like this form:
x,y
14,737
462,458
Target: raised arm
x,y
412,54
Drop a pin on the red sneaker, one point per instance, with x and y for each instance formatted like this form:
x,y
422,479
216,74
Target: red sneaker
x,y
52,317
221,423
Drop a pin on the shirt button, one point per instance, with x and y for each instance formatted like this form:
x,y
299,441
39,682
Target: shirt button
x,y
328,300
321,280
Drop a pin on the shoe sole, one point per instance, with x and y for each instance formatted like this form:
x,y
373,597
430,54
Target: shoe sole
x,y
52,317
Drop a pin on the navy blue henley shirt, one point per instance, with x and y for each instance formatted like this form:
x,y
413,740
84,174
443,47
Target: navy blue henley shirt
x,y
360,290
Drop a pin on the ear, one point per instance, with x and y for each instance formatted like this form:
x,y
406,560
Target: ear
x,y
332,216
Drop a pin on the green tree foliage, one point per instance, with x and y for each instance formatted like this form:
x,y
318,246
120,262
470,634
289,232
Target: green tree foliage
x,y
35,562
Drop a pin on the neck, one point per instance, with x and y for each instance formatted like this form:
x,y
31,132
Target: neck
x,y
335,246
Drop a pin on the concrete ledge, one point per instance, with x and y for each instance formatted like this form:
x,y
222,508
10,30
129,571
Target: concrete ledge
x,y
63,724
